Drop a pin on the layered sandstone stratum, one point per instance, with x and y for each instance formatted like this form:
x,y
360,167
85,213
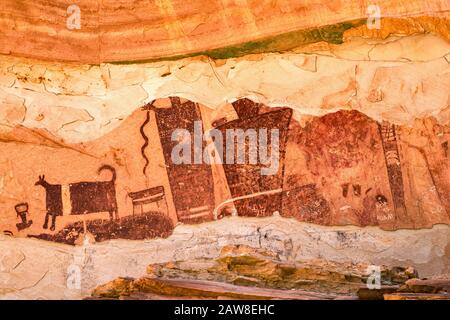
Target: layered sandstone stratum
x,y
363,174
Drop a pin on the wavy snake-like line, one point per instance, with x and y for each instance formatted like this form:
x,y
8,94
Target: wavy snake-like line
x,y
141,130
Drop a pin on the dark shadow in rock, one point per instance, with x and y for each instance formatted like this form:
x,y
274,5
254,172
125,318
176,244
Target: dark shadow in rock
x,y
135,227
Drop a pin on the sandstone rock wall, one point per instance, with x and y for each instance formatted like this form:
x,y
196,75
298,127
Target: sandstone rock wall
x,y
87,177
369,153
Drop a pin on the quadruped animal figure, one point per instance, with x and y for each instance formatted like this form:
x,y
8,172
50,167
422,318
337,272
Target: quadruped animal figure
x,y
80,197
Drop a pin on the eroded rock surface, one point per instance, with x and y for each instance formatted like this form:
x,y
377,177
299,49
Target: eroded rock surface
x,y
351,128
287,239
95,31
253,274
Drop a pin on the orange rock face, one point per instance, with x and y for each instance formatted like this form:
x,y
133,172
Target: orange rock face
x,y
99,31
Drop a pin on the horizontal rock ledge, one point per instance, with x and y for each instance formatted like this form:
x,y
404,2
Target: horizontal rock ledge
x,y
44,264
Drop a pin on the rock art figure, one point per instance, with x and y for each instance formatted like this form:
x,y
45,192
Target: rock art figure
x,y
191,183
22,211
80,197
142,199
392,157
254,192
